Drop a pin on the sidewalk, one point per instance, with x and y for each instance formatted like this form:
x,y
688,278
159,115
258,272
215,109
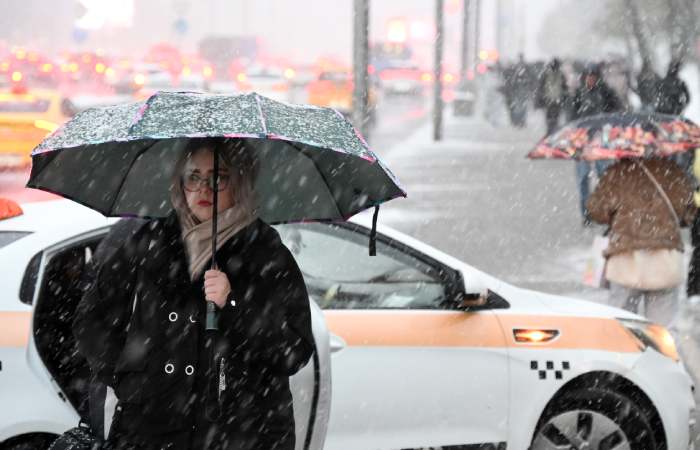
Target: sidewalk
x,y
520,216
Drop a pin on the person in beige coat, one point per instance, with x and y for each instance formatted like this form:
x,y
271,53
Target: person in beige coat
x,y
645,203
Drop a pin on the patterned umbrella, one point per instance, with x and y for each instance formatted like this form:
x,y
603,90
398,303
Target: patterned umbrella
x,y
119,159
616,135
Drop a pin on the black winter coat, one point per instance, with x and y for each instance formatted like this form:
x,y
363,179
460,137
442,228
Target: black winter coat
x,y
672,96
597,100
543,93
156,360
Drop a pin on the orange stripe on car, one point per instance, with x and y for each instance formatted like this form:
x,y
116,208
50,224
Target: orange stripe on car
x,y
415,329
580,333
459,329
14,328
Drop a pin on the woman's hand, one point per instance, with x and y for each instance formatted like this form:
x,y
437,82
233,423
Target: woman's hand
x,y
216,287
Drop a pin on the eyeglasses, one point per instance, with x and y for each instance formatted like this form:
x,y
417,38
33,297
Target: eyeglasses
x,y
194,183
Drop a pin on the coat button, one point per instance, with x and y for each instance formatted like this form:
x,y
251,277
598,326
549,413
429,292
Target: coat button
x,y
172,316
189,369
192,319
169,368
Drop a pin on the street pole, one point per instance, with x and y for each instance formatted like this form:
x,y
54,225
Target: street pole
x,y
360,116
437,76
477,31
499,27
464,66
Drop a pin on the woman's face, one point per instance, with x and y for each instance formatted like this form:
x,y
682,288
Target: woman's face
x,y
198,180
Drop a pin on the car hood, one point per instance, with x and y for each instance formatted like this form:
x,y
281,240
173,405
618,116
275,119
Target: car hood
x,y
561,305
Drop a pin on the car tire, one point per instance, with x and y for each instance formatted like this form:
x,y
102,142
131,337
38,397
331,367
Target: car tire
x,y
28,444
594,419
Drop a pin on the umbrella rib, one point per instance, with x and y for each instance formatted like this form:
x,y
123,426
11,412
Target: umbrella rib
x,y
320,172
262,117
121,184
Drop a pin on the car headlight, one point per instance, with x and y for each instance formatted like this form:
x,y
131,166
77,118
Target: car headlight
x,y
651,335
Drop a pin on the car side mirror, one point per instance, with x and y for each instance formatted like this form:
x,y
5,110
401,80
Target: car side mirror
x,y
486,300
469,301
475,295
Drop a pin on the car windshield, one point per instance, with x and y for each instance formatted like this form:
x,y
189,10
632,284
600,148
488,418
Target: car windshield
x,y
334,76
265,76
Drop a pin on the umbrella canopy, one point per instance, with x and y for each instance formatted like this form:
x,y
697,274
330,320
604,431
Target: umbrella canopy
x,y
616,135
119,159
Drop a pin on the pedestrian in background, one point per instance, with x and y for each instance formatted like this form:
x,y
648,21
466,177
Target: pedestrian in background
x,y
672,95
552,94
516,90
593,96
647,86
644,204
693,283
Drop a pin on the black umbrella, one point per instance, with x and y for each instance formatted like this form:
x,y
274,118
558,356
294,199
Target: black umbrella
x,y
119,160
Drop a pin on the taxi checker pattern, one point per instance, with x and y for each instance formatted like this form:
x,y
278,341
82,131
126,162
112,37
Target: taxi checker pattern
x,y
549,367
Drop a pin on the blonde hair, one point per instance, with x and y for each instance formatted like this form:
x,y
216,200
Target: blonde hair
x,y
236,157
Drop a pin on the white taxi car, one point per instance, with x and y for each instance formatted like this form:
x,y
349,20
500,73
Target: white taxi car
x,y
425,351
43,380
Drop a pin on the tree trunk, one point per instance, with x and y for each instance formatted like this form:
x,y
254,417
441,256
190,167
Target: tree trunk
x,y
638,32
682,31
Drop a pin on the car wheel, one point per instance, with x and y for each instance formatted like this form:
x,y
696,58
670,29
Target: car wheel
x,y
593,419
28,444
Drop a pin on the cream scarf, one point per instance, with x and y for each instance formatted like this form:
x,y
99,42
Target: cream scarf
x,y
197,235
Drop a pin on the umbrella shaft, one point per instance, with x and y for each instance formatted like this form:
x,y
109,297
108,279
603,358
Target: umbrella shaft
x,y
211,321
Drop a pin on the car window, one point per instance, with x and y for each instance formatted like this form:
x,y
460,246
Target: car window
x,y
20,106
68,108
334,76
8,237
340,274
61,288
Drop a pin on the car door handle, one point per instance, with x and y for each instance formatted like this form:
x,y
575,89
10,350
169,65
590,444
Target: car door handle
x,y
337,343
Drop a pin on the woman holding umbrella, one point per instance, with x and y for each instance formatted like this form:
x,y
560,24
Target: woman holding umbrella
x,y
142,323
645,203
185,379
644,198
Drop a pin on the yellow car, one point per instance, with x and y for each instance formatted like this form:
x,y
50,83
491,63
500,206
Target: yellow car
x,y
333,89
26,117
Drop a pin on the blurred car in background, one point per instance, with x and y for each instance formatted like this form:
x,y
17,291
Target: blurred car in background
x,y
302,75
270,82
223,87
403,79
149,78
79,103
333,89
26,117
195,83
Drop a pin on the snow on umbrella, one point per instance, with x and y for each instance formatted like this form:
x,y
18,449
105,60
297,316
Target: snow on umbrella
x,y
619,135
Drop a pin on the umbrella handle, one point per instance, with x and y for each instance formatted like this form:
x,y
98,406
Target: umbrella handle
x,y
212,316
